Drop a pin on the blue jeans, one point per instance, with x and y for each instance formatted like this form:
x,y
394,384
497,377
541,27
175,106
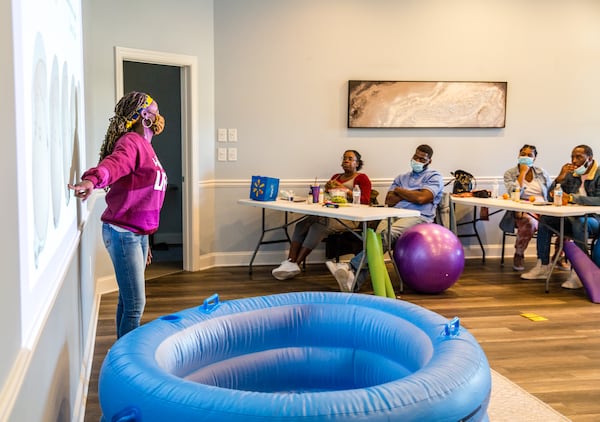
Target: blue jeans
x,y
128,252
574,227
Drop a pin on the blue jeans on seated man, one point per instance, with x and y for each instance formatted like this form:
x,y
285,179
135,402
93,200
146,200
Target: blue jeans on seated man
x,y
574,228
128,252
398,227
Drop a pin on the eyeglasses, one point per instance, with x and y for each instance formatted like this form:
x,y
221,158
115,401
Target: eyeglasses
x,y
348,159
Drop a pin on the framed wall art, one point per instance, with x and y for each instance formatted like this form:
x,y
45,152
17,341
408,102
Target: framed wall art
x,y
426,104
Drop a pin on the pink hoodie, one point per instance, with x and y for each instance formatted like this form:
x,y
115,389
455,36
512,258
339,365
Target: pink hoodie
x,y
137,184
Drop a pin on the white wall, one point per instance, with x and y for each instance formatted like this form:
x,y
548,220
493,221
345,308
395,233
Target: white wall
x,y
281,80
282,68
10,330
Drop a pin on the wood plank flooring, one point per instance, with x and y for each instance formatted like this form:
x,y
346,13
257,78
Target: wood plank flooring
x,y
557,360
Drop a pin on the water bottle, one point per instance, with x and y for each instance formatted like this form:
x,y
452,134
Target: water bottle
x,y
356,196
495,189
516,194
558,194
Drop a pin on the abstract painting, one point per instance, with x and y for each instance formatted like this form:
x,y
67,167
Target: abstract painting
x,y
414,104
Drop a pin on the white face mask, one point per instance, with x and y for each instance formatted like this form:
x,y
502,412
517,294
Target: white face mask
x,y
416,166
524,159
581,169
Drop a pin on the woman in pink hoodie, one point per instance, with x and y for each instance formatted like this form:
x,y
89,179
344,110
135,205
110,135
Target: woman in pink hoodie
x,y
135,182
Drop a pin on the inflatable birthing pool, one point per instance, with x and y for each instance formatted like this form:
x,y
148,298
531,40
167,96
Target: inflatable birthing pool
x,y
311,356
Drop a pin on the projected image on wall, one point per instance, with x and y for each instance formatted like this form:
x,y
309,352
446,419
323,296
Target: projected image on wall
x,y
54,125
40,151
50,119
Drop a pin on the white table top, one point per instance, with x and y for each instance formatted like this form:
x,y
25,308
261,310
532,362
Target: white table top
x,y
349,212
526,206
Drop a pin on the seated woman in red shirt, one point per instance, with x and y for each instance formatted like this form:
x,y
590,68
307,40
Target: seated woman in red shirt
x,y
309,232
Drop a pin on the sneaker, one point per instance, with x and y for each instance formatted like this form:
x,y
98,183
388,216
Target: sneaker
x,y
518,262
286,270
539,272
343,274
573,282
563,264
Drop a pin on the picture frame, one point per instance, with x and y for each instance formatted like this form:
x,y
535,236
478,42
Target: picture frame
x,y
426,104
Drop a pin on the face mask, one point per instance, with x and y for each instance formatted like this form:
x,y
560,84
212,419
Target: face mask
x,y
417,167
528,161
158,125
581,169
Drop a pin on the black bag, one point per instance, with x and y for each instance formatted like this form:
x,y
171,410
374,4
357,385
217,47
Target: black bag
x,y
463,181
507,223
483,193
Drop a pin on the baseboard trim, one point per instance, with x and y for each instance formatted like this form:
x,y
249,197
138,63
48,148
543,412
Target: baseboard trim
x,y
87,362
238,259
12,385
106,285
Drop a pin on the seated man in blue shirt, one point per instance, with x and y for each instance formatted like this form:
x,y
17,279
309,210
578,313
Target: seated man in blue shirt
x,y
419,189
580,182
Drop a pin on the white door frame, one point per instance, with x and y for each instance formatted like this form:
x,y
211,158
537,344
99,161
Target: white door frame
x,y
189,131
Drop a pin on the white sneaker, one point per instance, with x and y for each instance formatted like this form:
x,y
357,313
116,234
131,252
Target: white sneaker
x,y
539,272
343,273
573,282
286,270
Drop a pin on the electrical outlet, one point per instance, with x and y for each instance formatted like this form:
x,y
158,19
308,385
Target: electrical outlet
x,y
222,135
232,135
222,154
232,154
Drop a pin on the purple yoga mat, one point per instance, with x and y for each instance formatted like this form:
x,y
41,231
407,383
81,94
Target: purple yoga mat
x,y
586,269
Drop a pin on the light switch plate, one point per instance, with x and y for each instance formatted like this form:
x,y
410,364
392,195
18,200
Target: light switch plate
x,y
232,135
232,154
222,135
222,154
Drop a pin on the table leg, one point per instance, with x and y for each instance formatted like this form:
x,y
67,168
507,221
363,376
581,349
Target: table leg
x,y
391,254
264,230
561,237
472,222
363,255
452,218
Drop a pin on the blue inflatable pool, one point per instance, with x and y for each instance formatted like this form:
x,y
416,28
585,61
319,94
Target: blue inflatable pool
x,y
297,357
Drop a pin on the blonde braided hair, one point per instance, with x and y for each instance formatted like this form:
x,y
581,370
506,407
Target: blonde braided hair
x,y
126,115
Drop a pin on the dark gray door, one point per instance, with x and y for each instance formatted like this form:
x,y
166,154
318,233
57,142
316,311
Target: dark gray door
x,y
163,83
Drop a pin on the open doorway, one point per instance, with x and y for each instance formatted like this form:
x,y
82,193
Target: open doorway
x,y
187,68
163,83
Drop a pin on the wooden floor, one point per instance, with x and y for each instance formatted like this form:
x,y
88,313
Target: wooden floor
x,y
557,360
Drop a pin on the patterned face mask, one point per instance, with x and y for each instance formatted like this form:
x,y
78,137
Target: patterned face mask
x,y
159,124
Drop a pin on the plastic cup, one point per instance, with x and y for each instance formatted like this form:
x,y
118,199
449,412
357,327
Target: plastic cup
x,y
315,193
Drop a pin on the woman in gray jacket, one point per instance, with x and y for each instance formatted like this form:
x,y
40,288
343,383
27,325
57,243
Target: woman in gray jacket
x,y
531,181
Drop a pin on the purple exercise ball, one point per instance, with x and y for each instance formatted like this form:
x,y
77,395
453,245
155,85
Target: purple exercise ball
x,y
430,258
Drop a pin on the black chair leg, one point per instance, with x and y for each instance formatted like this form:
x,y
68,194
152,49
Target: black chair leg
x,y
503,245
